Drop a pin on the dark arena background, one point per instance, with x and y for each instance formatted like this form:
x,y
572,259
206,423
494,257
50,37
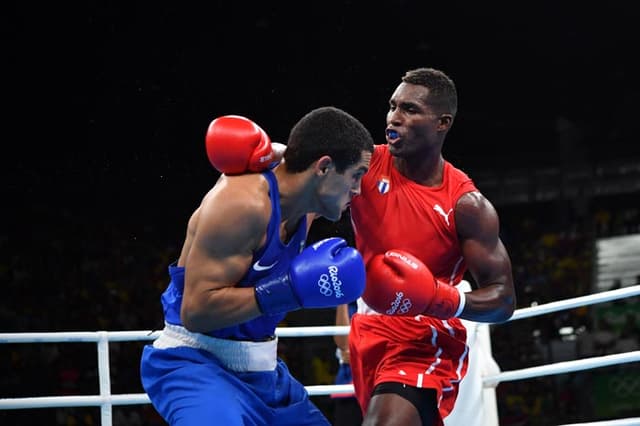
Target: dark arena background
x,y
105,109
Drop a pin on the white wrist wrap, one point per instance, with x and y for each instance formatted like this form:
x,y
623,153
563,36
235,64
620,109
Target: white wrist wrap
x,y
463,299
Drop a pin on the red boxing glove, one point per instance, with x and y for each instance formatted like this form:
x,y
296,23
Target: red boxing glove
x,y
237,145
399,284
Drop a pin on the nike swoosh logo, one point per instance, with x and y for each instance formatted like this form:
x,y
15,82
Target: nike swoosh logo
x,y
258,267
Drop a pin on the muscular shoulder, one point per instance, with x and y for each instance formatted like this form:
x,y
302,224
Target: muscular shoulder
x,y
237,207
475,215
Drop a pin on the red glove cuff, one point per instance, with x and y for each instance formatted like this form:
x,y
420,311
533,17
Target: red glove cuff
x,y
448,302
262,155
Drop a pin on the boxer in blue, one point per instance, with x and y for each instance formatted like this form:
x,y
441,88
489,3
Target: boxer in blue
x,y
243,266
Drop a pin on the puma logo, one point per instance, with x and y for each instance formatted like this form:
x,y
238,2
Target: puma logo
x,y
258,267
441,211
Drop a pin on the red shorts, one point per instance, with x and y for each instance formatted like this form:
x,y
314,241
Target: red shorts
x,y
418,351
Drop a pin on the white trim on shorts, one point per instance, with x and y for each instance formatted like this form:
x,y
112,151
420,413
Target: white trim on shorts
x,y
238,356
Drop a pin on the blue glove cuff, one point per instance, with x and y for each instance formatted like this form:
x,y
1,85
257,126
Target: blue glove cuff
x,y
276,296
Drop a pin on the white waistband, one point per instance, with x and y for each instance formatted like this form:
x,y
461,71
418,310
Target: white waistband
x,y
239,356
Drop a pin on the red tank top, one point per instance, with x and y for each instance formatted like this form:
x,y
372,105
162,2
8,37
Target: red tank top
x,y
393,212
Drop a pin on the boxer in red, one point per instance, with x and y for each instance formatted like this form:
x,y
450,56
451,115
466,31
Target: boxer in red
x,y
419,223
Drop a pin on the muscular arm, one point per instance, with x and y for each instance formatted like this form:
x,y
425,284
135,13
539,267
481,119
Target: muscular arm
x,y
487,259
223,233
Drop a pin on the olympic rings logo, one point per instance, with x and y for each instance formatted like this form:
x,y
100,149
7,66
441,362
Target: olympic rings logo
x,y
405,306
400,306
330,283
325,285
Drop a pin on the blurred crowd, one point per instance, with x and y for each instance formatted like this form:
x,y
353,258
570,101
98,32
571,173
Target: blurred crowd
x,y
555,260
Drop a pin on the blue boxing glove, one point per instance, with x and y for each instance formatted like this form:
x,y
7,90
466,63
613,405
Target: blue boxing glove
x,y
327,274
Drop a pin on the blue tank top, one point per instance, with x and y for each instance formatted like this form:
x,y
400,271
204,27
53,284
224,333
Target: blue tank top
x,y
272,259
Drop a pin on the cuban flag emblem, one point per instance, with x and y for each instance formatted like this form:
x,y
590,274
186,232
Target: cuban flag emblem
x,y
383,185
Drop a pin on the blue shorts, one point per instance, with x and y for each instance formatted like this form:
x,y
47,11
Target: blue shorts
x,y
189,386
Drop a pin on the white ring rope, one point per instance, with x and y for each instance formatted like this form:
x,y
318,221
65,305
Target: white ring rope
x,y
562,367
106,400
576,302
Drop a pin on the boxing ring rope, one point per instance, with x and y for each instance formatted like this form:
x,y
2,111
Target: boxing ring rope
x,y
105,400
